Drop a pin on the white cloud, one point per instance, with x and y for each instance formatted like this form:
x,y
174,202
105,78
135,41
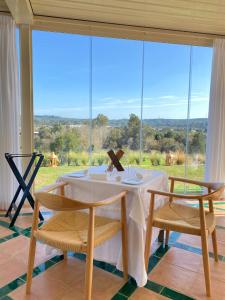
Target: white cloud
x,y
168,97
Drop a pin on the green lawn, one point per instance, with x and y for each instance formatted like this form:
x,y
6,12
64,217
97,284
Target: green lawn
x,y
48,175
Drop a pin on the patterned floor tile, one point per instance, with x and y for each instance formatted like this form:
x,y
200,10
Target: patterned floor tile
x,y
14,255
175,273
182,271
5,232
144,294
65,281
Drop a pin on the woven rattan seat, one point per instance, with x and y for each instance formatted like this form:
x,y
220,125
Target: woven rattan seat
x,y
182,218
68,231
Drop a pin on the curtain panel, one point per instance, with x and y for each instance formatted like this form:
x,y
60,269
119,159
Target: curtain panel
x,y
215,145
9,106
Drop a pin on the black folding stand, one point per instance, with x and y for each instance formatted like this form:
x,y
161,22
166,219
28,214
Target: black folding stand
x,y
25,187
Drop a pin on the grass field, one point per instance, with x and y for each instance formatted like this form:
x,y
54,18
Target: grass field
x,y
48,175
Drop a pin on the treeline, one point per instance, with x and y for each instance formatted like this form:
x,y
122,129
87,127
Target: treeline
x,y
197,123
63,137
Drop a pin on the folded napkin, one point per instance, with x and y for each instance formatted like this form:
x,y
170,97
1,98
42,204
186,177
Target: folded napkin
x,y
98,176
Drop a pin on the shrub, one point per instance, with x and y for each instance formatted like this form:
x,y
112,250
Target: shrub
x,y
155,159
133,158
63,158
137,160
180,157
84,158
73,159
46,160
100,160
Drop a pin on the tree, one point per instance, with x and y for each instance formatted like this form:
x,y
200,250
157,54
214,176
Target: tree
x,y
168,144
197,143
67,141
101,121
133,130
114,139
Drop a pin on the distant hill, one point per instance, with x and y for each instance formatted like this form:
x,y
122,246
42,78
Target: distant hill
x,y
197,123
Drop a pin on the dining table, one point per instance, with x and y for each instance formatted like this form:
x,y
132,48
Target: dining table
x,y
95,184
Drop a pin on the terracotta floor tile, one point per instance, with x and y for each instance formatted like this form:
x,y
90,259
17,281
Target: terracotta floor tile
x,y
195,241
66,281
184,259
221,235
22,221
14,255
5,231
190,240
173,277
42,289
194,262
183,271
145,294
220,219
198,289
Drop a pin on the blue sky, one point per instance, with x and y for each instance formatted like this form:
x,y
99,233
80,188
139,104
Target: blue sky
x,y
62,72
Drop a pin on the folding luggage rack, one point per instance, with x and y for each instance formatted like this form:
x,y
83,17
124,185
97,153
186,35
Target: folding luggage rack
x,y
23,186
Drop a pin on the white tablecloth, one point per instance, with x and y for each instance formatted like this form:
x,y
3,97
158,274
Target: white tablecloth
x,y
86,189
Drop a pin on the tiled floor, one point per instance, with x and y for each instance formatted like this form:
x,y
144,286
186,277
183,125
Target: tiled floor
x,y
175,272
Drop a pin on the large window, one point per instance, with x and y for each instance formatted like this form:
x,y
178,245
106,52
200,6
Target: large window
x,y
116,100
61,68
92,94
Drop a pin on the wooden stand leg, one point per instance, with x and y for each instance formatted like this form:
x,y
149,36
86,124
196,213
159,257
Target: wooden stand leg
x,y
215,248
30,264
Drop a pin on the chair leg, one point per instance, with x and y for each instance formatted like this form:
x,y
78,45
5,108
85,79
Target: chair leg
x,y
89,275
215,248
30,263
205,256
167,237
148,242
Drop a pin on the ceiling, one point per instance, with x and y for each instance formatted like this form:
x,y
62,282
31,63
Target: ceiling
x,y
196,16
3,6
204,16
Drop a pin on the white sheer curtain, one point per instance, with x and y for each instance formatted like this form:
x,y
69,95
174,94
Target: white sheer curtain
x,y
215,146
9,106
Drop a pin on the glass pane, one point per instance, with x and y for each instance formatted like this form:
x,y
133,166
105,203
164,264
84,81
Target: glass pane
x,y
199,104
116,103
61,102
165,107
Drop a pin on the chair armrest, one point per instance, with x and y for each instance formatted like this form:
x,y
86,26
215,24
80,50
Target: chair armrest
x,y
209,185
108,201
173,195
51,187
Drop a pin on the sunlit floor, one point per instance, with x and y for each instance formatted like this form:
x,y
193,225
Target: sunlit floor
x,y
176,272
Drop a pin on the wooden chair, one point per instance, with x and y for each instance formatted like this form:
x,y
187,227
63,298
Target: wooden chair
x,y
73,230
186,219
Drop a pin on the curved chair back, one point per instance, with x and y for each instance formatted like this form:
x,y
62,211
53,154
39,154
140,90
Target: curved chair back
x,y
59,203
215,190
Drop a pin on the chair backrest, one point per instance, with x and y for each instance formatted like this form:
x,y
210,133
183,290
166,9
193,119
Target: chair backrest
x,y
59,203
217,191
